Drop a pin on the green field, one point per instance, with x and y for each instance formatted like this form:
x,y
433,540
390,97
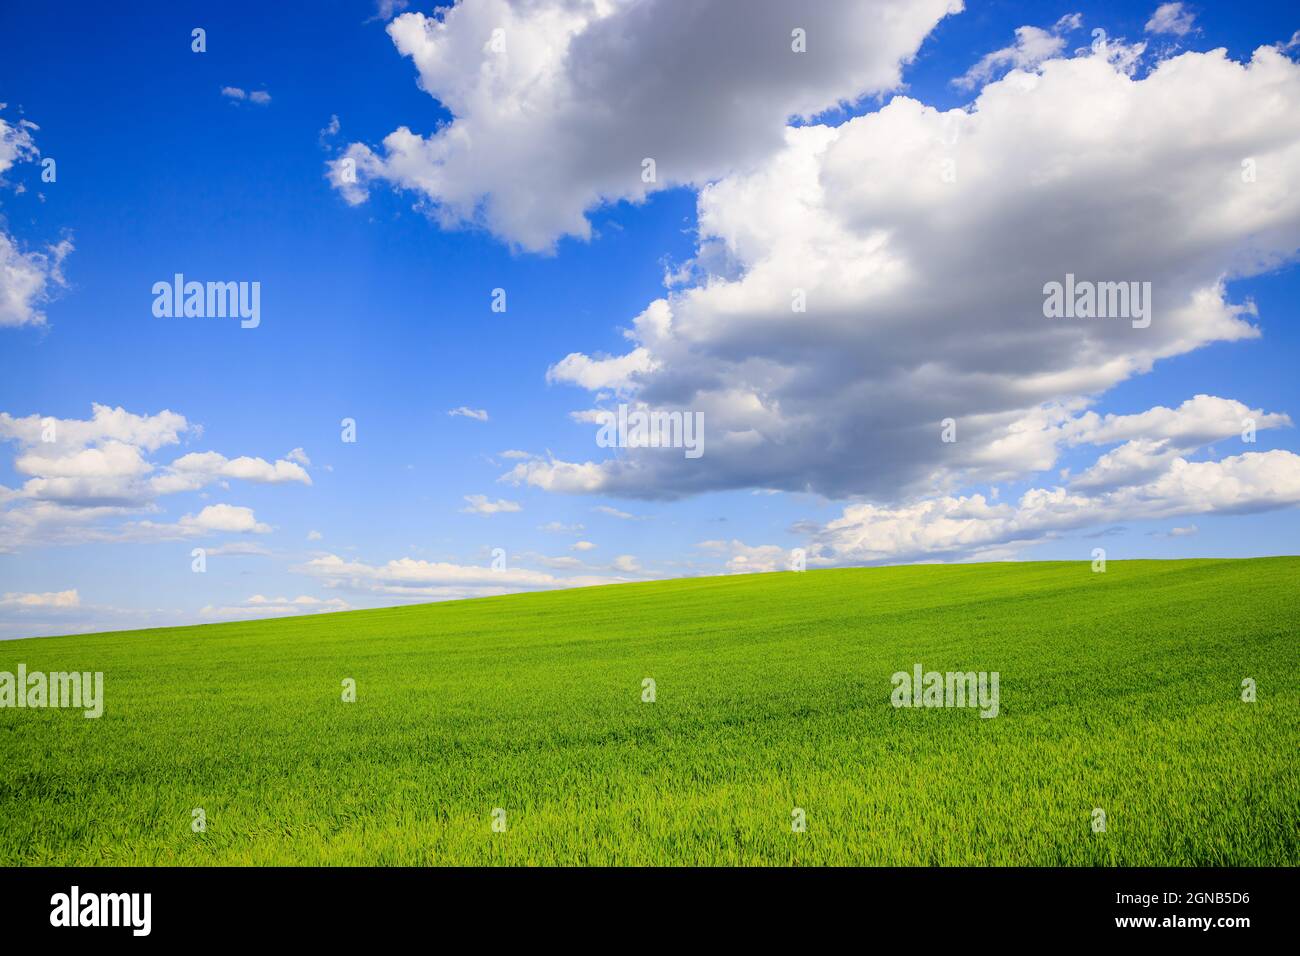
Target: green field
x,y
1119,691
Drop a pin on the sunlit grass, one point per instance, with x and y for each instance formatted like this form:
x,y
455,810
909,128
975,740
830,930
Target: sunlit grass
x,y
1119,691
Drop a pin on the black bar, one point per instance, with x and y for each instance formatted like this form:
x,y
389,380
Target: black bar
x,y
944,905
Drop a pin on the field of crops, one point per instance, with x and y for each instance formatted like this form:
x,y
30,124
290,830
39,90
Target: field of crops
x,y
1119,691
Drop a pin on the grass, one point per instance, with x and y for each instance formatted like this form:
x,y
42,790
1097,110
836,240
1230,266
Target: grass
x,y
1119,691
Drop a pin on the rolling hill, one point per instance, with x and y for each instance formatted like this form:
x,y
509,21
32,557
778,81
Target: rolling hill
x,y
516,729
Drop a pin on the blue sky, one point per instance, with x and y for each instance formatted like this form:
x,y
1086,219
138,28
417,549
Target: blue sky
x,y
376,309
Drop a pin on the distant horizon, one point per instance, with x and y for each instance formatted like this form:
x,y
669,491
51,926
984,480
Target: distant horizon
x,y
583,587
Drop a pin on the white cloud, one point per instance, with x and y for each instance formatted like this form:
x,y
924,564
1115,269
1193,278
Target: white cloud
x,y
29,279
261,606
970,526
16,143
260,97
314,536
583,546
619,373
481,505
1033,45
1171,18
81,473
614,513
198,469
749,559
415,579
48,599
627,563
910,321
554,114
478,414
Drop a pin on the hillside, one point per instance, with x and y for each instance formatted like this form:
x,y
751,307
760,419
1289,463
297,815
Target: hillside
x,y
1118,691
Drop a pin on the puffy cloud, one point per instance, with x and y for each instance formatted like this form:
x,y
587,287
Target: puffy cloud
x,y
619,373
28,280
1171,18
556,103
198,469
1033,45
81,472
481,505
213,519
924,291
1199,421
583,546
971,526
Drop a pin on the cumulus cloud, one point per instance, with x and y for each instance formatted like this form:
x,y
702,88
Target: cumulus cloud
x,y
79,472
557,103
197,469
924,291
213,519
1171,18
969,526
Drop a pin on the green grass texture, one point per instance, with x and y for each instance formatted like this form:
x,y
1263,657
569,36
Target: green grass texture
x,y
1119,691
